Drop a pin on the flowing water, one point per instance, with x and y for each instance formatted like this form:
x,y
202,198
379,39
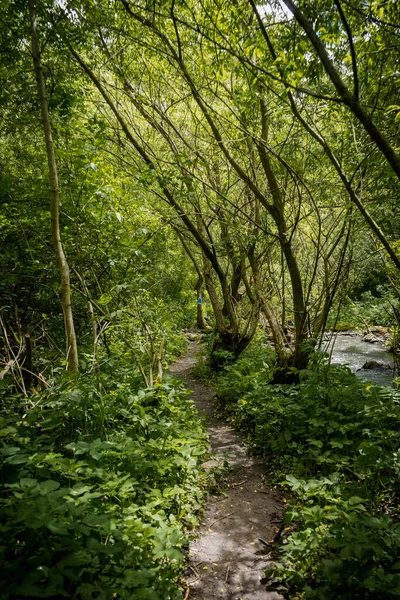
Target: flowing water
x,y
351,350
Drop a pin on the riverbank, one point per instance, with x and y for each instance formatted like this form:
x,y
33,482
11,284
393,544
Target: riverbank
x,y
355,350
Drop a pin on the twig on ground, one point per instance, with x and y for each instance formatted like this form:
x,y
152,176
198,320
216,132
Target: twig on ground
x,y
220,519
279,533
268,544
227,574
276,536
195,571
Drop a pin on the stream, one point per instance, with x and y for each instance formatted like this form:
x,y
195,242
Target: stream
x,y
350,349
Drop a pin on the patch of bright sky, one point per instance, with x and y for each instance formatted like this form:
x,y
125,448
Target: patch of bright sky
x,y
276,9
71,12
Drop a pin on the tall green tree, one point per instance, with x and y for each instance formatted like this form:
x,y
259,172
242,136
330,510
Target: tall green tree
x,y
66,303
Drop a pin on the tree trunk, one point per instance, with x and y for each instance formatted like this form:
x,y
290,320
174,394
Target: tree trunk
x,y
277,211
277,334
71,345
27,369
212,294
201,324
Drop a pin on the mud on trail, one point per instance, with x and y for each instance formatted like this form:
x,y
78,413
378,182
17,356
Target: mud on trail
x,y
227,560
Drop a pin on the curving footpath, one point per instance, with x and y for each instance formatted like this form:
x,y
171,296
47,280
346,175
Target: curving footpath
x,y
227,560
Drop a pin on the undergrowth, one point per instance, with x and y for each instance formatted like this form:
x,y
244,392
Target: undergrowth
x,y
333,442
100,480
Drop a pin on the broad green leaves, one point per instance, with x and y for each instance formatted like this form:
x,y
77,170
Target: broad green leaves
x,y
334,444
97,491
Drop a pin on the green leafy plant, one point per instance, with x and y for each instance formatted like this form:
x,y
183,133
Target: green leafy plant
x,y
333,441
98,488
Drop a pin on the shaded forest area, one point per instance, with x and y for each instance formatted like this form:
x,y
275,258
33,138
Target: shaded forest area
x,y
171,164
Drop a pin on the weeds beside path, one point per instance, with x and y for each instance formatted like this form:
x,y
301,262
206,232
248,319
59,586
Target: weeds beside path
x,y
227,560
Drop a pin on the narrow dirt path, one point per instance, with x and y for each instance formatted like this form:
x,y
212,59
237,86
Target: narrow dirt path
x,y
227,560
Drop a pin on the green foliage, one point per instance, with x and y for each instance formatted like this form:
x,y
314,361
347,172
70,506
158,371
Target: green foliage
x,y
100,479
253,365
233,380
367,311
333,441
338,550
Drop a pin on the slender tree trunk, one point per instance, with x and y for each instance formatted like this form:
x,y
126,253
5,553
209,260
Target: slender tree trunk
x,y
277,334
27,369
71,351
331,289
201,324
212,294
277,212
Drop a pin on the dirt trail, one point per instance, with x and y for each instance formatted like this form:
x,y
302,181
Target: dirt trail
x,y
227,560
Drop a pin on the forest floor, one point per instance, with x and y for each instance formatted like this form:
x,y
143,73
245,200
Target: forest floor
x,y
226,561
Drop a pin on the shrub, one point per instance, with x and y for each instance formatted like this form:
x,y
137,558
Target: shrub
x,y
333,441
100,479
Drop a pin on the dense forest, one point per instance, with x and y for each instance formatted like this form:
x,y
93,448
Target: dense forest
x,y
225,167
